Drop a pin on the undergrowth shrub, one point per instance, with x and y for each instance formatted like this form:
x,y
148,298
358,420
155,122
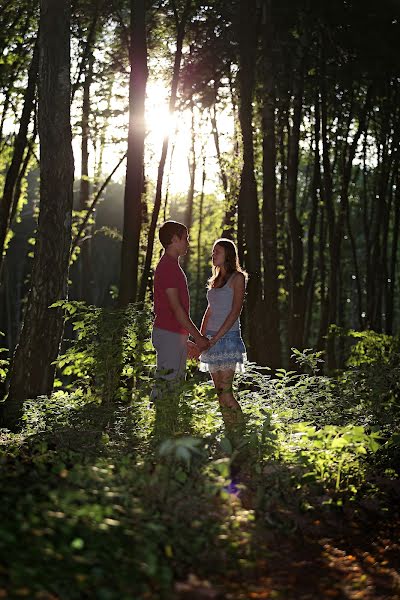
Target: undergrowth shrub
x,y
111,352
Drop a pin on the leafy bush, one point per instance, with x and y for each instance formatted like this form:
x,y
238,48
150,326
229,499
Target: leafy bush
x,y
110,352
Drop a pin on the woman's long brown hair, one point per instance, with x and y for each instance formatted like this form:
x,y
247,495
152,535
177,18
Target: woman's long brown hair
x,y
231,265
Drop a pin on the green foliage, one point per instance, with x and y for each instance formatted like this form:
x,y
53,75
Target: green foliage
x,y
164,485
332,454
110,351
307,358
373,348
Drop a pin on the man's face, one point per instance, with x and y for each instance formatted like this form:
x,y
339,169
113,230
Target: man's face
x,y
182,244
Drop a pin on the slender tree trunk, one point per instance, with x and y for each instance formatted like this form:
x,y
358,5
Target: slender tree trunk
x,y
348,155
375,292
188,220
296,312
200,238
32,371
366,222
168,184
102,140
269,238
230,209
18,154
248,197
308,287
393,261
135,158
329,310
85,257
192,172
180,29
5,107
94,202
17,192
232,173
215,133
88,46
323,305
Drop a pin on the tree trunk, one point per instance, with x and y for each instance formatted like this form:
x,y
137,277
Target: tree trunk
x,y
296,309
6,104
393,260
323,305
329,309
102,141
308,288
269,238
94,202
230,209
135,159
180,30
188,220
32,371
88,47
18,154
199,238
248,197
85,258
232,173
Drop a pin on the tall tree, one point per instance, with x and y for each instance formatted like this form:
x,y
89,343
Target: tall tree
x,y
32,372
135,159
269,238
296,253
248,209
85,258
192,164
180,26
18,154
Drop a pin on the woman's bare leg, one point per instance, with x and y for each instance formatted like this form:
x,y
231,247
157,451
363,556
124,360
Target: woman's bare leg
x,y
223,384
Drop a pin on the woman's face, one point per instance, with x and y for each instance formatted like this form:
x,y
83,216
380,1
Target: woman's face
x,y
218,256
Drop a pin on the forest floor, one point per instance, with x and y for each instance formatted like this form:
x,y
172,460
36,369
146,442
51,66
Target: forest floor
x,y
94,505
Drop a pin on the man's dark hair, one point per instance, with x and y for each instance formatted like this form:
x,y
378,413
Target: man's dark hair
x,y
168,230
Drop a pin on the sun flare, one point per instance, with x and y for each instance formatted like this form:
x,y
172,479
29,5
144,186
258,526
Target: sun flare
x,y
160,123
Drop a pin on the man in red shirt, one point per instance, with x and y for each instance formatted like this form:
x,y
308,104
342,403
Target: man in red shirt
x,y
172,323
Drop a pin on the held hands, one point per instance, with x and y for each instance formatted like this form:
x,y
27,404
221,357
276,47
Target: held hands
x,y
203,343
193,350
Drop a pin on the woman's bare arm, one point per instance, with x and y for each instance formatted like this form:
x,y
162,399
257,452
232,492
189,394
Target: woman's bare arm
x,y
204,321
239,288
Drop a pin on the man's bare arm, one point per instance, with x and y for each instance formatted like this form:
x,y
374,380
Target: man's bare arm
x,y
183,318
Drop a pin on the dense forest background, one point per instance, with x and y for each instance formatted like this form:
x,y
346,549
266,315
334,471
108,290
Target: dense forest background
x,y
275,124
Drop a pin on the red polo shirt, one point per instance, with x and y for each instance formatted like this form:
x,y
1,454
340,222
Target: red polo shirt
x,y
168,274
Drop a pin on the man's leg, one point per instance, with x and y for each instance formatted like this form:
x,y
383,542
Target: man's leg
x,y
171,351
171,365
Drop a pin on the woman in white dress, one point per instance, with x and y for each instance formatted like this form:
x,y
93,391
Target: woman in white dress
x,y
226,291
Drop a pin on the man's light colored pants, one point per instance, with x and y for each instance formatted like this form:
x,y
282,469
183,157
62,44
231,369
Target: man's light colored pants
x,y
171,351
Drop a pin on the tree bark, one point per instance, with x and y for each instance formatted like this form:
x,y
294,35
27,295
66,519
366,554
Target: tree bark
x,y
393,261
18,154
199,237
249,217
269,238
135,158
180,34
308,287
85,257
296,312
32,371
188,220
